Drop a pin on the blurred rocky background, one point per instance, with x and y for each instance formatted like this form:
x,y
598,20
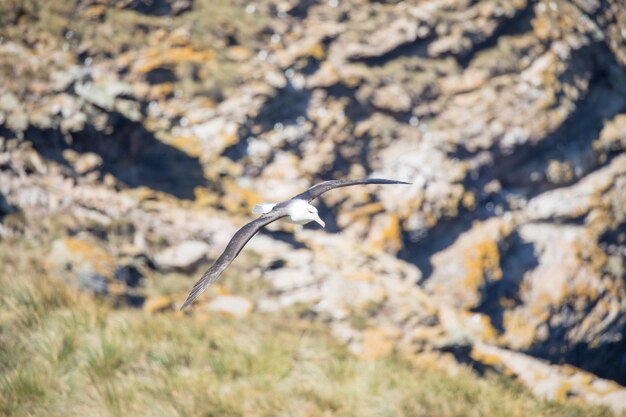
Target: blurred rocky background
x,y
148,129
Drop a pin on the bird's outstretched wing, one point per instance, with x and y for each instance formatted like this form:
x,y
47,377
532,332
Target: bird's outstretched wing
x,y
319,189
237,242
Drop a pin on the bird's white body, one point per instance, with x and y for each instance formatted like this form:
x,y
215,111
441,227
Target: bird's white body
x,y
298,212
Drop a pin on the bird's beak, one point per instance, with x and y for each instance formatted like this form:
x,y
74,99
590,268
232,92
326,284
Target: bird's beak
x,y
319,221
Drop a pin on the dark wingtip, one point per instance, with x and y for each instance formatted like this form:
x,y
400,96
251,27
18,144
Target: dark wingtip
x,y
386,181
190,299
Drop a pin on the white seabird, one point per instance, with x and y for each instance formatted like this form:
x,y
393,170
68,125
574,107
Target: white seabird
x,y
298,210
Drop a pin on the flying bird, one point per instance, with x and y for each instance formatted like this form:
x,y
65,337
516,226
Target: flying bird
x,y
297,209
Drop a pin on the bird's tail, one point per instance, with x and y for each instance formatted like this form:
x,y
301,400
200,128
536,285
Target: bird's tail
x,y
263,208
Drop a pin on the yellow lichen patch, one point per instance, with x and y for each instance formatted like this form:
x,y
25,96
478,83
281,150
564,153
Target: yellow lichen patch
x,y
157,304
469,200
239,199
485,358
239,53
220,289
116,288
519,332
590,254
611,137
143,193
154,58
563,390
102,262
389,237
367,209
427,334
379,342
160,91
479,324
315,50
188,144
361,275
95,12
482,261
203,197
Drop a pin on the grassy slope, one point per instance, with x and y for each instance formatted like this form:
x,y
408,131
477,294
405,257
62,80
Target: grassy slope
x,y
65,354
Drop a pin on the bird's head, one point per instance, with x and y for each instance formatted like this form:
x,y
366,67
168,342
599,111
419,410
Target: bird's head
x,y
314,215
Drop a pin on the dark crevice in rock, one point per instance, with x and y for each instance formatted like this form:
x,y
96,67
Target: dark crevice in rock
x,y
525,168
160,76
462,354
419,249
604,358
358,110
285,107
5,208
518,24
160,7
240,149
562,221
613,242
288,107
129,152
346,155
301,9
571,141
417,48
516,259
130,275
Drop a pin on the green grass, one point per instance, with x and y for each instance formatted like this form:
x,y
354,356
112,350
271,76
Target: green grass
x,y
66,354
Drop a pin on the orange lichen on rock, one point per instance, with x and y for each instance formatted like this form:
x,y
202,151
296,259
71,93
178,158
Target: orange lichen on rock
x,y
563,391
203,197
482,262
389,236
379,342
239,199
188,144
520,332
102,262
95,12
157,304
155,58
485,358
479,325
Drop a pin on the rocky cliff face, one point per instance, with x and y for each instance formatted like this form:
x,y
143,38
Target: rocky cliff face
x,y
152,124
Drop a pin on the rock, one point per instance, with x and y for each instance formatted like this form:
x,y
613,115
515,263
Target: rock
x,y
185,256
231,305
82,262
393,98
102,94
157,304
463,270
9,102
552,382
17,121
87,162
